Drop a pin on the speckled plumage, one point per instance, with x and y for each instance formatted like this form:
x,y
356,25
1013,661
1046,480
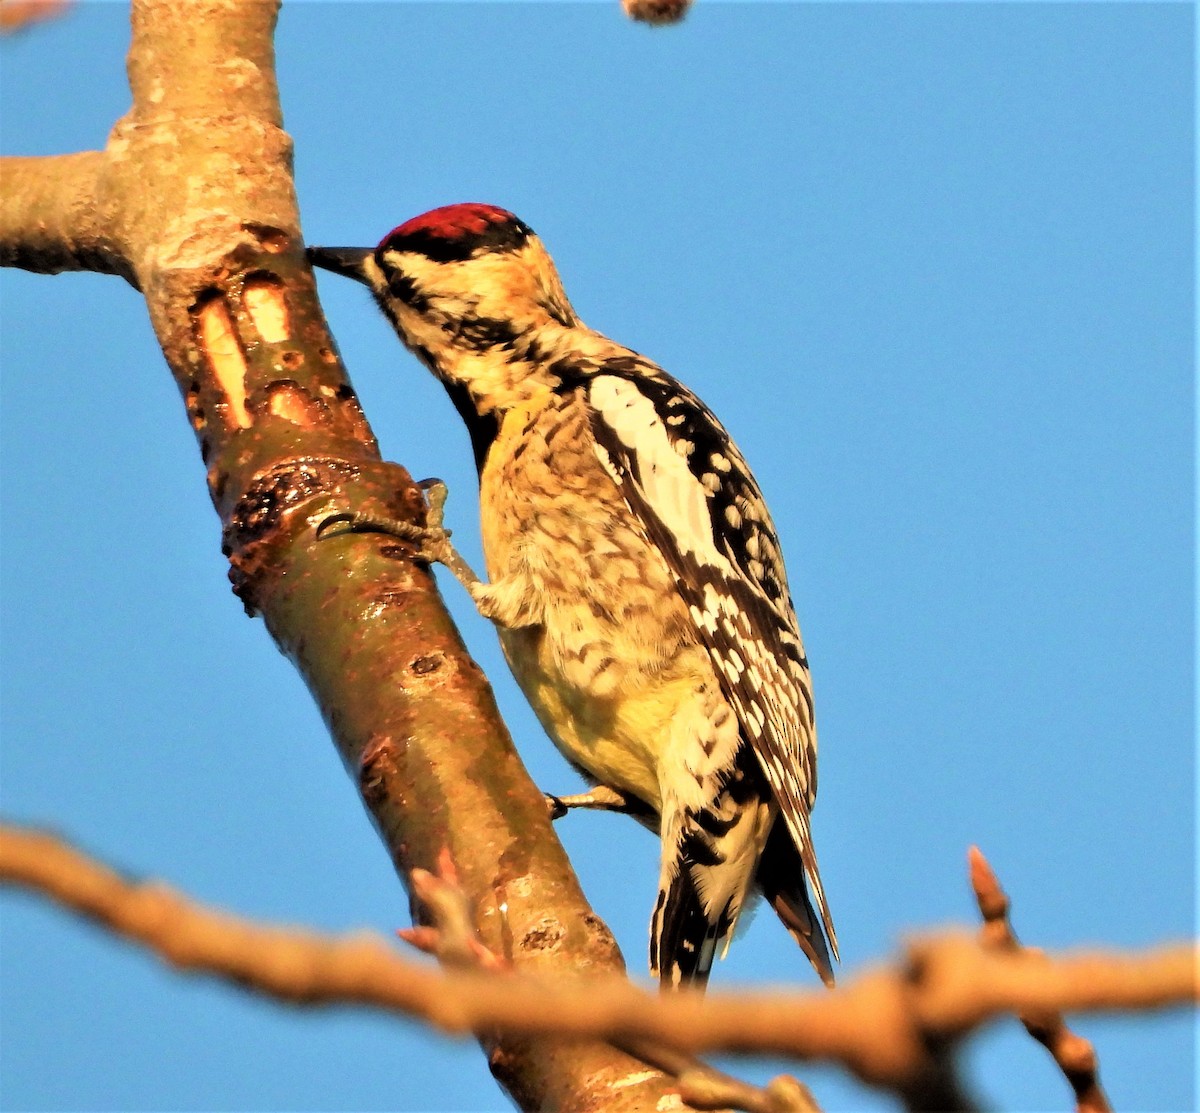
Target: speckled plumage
x,y
595,633
634,575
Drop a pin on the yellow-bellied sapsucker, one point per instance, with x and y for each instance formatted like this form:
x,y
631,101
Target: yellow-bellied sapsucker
x,y
634,576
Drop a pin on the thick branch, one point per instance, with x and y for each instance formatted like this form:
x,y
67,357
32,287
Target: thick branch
x,y
877,1025
193,200
57,214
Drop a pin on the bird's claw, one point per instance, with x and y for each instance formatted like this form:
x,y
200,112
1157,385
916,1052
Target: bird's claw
x,y
436,492
432,540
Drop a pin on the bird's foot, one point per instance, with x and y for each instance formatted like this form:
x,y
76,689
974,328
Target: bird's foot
x,y
431,540
601,798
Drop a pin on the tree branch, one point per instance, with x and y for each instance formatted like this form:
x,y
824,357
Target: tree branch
x,y
16,15
1073,1055
56,214
656,12
877,1025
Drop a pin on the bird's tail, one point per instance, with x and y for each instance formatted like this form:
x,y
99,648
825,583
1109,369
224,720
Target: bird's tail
x,y
708,868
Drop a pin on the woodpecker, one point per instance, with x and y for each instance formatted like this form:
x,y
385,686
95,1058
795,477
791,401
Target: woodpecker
x,y
634,577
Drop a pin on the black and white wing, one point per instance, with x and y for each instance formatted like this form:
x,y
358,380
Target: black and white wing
x,y
687,483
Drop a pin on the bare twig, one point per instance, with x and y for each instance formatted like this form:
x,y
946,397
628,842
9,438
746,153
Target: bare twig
x,y
702,1086
878,1025
1074,1055
656,12
16,15
450,936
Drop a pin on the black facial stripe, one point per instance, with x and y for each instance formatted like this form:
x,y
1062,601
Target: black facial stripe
x,y
483,428
403,288
482,333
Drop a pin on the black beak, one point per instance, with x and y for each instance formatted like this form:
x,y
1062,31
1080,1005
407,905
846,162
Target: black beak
x,y
346,261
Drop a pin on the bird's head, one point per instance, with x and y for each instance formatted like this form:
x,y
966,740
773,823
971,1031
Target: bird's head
x,y
462,280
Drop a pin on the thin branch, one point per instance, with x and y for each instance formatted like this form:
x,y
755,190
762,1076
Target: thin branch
x,y
878,1025
1074,1055
702,1086
17,15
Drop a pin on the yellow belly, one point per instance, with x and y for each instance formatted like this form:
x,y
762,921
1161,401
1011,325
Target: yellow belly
x,y
618,738
602,645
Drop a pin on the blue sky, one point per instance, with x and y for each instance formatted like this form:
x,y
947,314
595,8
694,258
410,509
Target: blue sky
x,y
932,265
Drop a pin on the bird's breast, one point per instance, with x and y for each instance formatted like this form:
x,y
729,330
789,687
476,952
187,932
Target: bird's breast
x,y
609,650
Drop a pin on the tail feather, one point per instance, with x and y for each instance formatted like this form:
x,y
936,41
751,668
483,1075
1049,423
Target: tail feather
x,y
712,857
683,937
781,877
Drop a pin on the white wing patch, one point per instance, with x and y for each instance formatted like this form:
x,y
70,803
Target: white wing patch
x,y
667,482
